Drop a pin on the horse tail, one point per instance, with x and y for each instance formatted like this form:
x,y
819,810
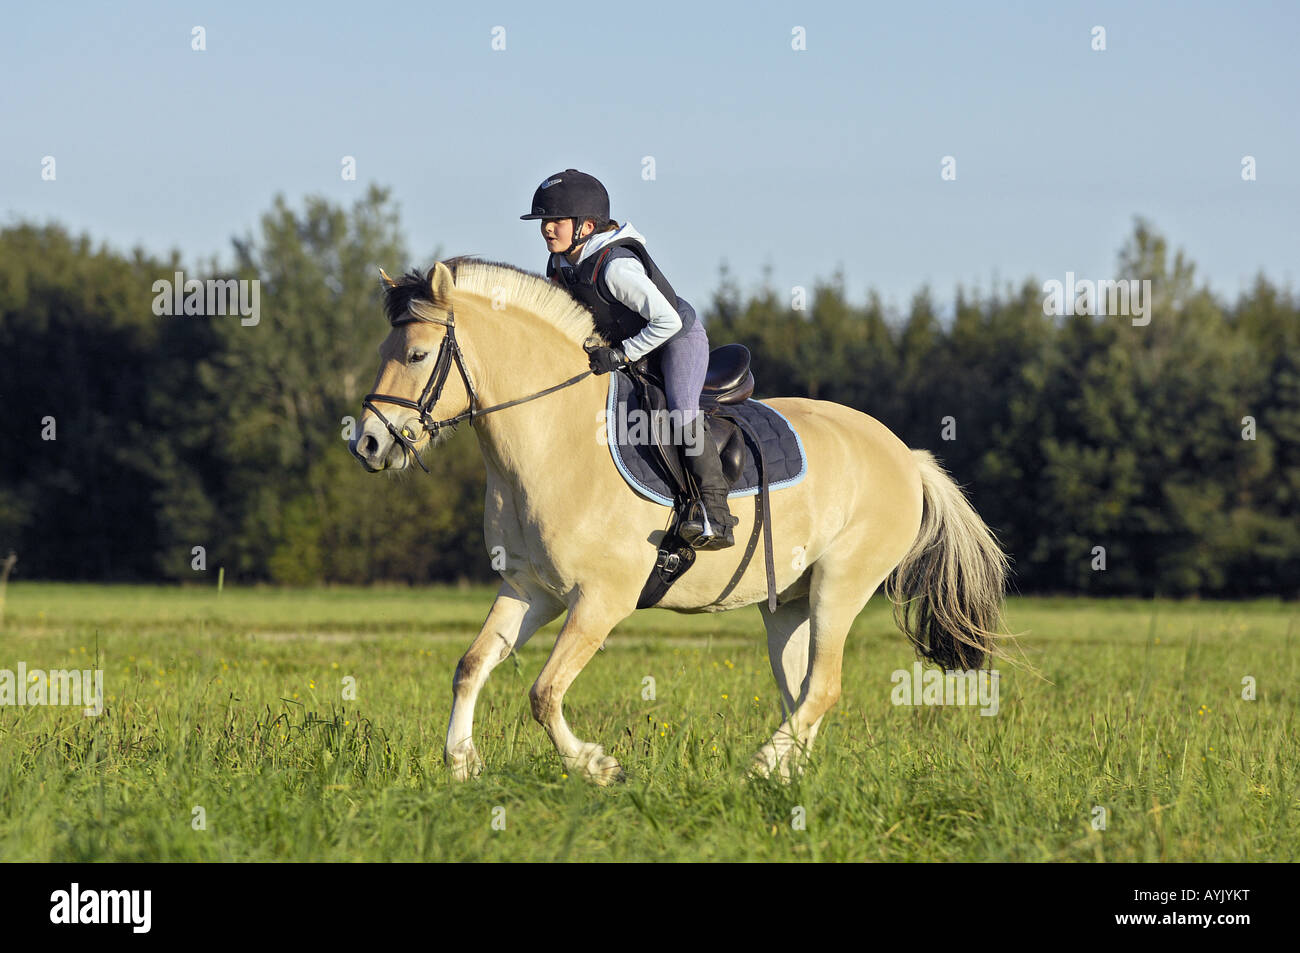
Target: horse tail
x,y
947,591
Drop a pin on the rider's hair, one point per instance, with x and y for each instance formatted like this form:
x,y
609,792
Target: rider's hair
x,y
602,225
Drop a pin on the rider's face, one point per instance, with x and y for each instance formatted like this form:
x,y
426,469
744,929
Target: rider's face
x,y
558,232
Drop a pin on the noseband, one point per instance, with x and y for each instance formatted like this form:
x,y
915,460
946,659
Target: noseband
x,y
448,353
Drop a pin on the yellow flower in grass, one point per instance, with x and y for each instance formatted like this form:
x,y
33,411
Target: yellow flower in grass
x,y
724,697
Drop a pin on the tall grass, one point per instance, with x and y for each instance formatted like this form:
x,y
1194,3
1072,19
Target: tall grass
x,y
230,711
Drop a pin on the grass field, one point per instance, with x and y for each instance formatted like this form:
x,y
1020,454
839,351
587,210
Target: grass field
x,y
234,704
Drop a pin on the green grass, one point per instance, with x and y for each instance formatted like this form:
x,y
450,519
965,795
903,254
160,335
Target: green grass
x,y
234,704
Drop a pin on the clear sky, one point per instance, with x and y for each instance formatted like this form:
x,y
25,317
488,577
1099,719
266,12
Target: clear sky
x,y
803,161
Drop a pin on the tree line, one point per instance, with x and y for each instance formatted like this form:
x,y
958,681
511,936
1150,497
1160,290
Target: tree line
x,y
1109,456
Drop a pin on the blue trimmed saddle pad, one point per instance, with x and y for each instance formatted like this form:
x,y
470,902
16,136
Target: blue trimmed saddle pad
x,y
638,460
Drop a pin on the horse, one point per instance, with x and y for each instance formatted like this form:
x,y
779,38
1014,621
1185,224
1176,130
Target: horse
x,y
502,348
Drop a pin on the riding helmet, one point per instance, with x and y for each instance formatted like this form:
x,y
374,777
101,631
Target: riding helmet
x,y
570,194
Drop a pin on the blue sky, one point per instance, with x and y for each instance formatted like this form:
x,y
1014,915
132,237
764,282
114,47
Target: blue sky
x,y
764,157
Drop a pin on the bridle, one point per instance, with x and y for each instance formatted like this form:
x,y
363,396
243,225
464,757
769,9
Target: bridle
x,y
449,352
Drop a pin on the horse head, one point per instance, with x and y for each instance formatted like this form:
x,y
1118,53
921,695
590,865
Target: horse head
x,y
416,395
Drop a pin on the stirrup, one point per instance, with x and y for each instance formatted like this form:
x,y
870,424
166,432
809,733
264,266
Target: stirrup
x,y
703,533
713,538
694,523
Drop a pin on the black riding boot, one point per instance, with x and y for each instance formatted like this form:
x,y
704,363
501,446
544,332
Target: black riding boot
x,y
708,526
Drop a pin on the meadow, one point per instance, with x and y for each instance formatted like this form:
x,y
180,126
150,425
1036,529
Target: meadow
x,y
227,736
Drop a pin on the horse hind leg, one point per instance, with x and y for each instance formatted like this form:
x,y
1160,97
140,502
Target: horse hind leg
x,y
788,630
837,595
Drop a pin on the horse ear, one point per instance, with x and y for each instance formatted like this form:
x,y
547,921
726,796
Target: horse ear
x,y
441,283
383,276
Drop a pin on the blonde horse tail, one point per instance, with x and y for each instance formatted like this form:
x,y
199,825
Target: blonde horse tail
x,y
947,591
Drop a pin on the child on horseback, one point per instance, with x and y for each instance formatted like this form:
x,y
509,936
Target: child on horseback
x,y
606,267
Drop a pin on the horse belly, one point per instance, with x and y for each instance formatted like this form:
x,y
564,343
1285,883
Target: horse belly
x,y
861,480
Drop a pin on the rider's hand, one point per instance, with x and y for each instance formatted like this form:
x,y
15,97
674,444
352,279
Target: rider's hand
x,y
606,359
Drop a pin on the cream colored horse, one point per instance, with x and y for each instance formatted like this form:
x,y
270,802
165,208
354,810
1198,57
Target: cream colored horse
x,y
578,539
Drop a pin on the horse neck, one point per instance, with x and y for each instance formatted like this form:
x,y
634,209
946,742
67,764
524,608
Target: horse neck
x,y
512,354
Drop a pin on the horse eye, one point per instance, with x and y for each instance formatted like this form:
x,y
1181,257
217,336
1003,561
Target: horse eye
x,y
418,356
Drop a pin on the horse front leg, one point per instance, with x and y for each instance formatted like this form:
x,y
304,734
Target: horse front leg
x,y
511,622
584,632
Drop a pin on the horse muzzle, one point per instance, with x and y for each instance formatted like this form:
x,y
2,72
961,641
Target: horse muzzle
x,y
378,451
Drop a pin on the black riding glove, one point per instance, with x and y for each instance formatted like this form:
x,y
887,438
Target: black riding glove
x,y
606,359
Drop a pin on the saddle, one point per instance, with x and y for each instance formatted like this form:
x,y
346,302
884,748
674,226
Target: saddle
x,y
728,383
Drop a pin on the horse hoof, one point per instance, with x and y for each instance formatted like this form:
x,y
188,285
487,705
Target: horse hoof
x,y
464,762
598,767
767,763
759,768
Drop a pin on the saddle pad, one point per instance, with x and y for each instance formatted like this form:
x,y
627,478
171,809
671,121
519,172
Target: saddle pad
x,y
639,462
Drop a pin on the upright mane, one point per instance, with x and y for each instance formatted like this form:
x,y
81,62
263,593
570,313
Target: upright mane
x,y
406,297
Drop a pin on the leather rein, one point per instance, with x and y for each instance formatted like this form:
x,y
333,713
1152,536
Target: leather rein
x,y
449,353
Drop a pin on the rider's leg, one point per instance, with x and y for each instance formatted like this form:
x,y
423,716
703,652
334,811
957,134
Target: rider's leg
x,y
685,361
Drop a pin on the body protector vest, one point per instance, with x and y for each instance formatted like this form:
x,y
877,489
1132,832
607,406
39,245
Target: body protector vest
x,y
614,320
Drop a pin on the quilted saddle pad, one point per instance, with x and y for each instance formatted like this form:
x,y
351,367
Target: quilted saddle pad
x,y
638,460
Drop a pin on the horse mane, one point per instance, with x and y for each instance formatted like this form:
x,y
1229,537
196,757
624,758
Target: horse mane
x,y
406,297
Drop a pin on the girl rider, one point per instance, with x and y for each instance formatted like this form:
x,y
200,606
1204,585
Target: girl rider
x,y
606,267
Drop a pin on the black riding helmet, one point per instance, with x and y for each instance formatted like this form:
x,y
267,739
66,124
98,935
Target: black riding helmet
x,y
570,194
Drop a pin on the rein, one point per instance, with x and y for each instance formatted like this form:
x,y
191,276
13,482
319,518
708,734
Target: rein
x,y
448,352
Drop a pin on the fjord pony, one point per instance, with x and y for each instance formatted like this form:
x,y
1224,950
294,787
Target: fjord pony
x,y
578,540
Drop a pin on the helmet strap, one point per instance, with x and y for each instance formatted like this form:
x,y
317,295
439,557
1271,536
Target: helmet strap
x,y
574,242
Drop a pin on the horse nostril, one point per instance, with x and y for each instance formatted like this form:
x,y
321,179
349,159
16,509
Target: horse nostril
x,y
369,445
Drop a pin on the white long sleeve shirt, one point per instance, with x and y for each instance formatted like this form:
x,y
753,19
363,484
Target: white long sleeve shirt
x,y
629,283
